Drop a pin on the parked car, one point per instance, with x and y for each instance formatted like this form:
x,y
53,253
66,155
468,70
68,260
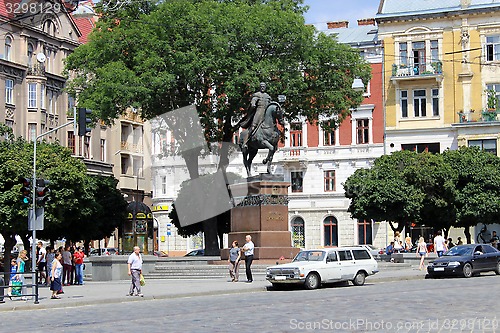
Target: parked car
x,y
105,251
372,249
311,268
466,260
161,254
198,252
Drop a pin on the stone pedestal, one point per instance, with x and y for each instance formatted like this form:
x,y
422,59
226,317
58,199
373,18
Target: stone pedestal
x,y
262,212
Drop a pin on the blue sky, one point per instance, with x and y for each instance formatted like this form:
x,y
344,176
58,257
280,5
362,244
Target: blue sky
x,y
322,11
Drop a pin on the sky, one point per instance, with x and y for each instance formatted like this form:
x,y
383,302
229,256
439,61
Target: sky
x,y
322,11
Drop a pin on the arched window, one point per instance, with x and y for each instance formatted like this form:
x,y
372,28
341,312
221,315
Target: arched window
x,y
49,27
330,227
8,48
298,235
30,54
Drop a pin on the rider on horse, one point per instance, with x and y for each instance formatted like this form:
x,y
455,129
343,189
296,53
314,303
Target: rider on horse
x,y
255,116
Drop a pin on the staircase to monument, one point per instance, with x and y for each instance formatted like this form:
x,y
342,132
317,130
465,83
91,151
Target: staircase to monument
x,y
192,268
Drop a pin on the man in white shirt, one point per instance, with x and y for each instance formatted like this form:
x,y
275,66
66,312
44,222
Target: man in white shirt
x,y
439,244
134,264
248,248
41,264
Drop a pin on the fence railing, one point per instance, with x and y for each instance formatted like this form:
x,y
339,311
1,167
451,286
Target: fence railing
x,y
19,287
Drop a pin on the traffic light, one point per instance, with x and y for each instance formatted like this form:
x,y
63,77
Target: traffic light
x,y
25,190
42,192
83,121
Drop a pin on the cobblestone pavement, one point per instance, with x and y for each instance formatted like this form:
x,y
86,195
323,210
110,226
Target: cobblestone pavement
x,y
410,305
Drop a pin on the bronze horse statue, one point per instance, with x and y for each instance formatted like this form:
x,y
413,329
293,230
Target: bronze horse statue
x,y
265,136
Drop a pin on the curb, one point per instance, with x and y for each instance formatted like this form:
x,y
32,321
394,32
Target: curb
x,y
82,302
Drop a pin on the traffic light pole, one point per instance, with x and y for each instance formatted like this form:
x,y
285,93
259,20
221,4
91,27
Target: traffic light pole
x,y
33,236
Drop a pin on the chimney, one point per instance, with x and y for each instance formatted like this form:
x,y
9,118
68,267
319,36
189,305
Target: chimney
x,y
367,21
339,24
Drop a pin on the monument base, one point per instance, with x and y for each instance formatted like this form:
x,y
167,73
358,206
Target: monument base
x,y
262,213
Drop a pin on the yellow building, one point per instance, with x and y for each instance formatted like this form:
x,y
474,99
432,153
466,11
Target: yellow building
x,y
441,64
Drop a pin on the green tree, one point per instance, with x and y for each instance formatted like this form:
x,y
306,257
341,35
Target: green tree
x,y
383,193
75,198
477,197
213,54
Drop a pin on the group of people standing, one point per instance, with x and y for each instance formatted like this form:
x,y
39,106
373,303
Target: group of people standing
x,y
235,257
71,261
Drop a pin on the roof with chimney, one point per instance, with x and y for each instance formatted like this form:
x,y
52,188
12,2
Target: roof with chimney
x,y
365,33
399,8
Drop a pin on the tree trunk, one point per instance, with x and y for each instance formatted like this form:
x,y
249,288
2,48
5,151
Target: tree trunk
x,y
10,242
467,235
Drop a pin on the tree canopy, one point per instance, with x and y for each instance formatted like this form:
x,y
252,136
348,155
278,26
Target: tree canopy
x,y
458,188
81,207
160,56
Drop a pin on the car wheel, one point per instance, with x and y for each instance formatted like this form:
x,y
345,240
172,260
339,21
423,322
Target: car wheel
x,y
312,281
467,270
359,279
497,269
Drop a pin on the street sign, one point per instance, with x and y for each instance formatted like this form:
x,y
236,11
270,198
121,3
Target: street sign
x,y
36,222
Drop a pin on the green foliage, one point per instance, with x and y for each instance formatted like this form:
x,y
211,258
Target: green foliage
x,y
458,188
174,53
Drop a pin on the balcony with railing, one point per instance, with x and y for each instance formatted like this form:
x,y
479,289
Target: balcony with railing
x,y
486,115
37,69
414,71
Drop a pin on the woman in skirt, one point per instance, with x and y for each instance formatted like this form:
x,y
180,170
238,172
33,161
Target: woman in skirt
x,y
55,278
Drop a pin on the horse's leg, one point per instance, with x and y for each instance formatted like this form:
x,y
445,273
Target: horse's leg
x,y
252,152
270,152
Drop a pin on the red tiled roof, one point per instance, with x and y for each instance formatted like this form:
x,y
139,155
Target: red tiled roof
x,y
7,7
85,25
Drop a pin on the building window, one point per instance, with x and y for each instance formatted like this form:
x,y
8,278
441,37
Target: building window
x,y
42,97
404,103
403,54
32,95
71,142
31,132
435,102
295,137
364,232
30,54
492,48
496,89
330,227
86,146
8,48
419,103
362,131
103,150
10,124
298,233
488,145
125,161
434,51
297,179
329,136
418,49
422,147
9,91
329,177
50,95
137,165
163,185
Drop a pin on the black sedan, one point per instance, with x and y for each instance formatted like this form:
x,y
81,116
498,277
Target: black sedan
x,y
466,260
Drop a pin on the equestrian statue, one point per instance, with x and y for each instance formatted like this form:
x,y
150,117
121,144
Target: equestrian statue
x,y
260,129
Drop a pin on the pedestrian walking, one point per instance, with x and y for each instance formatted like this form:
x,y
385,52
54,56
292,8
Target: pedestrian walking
x,y
248,250
67,266
78,257
21,263
134,264
50,257
439,244
234,261
56,275
422,251
41,263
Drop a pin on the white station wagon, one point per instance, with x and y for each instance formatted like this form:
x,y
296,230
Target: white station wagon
x,y
314,267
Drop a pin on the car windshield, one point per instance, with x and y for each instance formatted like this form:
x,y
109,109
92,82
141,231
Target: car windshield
x,y
459,251
309,256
